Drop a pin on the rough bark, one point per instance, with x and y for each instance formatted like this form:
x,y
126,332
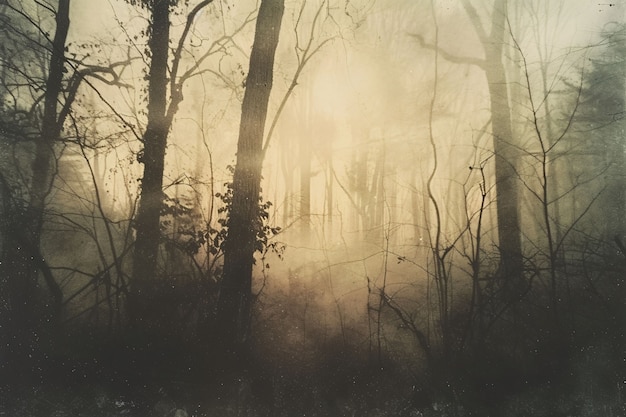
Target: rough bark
x,y
153,157
233,309
142,304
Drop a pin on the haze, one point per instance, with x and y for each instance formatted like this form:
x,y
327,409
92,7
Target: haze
x,y
442,218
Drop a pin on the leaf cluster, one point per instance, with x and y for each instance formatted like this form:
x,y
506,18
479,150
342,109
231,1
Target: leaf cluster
x,y
148,4
261,224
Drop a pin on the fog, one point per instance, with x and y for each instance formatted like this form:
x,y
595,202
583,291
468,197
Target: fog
x,y
409,147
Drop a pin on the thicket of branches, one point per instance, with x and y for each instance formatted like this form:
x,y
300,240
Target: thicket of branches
x,y
364,274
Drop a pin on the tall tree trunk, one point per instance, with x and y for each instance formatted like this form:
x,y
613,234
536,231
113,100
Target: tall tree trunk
x,y
329,193
507,154
507,184
154,139
26,236
505,149
233,309
22,257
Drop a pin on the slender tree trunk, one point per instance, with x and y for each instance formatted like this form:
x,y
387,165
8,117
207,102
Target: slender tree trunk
x,y
233,309
287,172
329,192
153,157
378,197
25,249
305,181
22,258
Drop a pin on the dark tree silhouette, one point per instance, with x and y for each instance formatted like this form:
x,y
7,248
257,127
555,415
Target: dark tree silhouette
x,y
601,123
152,157
233,309
161,111
23,255
38,130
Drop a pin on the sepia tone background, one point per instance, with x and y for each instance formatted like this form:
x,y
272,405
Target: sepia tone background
x,y
312,207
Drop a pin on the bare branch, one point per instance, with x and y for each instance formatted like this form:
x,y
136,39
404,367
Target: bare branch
x,y
570,119
217,45
447,55
303,55
181,43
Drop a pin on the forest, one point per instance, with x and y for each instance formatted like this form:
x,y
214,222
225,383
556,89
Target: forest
x,y
410,208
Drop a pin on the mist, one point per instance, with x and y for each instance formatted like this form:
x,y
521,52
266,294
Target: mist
x,y
438,226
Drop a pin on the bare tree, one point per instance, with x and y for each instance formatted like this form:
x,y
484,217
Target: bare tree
x,y
24,253
504,145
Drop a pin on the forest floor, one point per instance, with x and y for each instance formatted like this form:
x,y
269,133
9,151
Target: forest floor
x,y
96,379
236,398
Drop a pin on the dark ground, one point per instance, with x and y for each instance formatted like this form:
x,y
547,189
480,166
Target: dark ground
x,y
93,376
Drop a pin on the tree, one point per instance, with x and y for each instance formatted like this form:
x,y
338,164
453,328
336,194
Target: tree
x,y
233,309
602,125
42,78
23,253
153,159
36,101
505,149
504,146
160,117
549,136
308,42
